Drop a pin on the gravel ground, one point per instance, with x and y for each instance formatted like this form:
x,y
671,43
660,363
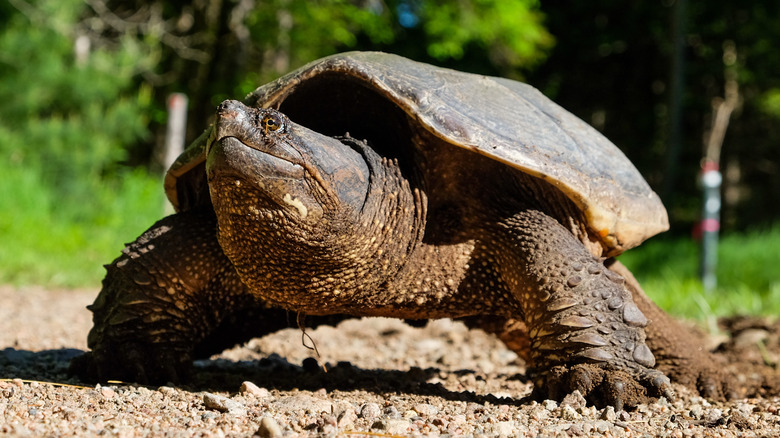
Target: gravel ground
x,y
380,378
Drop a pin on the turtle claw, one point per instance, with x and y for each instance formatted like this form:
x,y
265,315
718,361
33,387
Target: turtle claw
x,y
603,385
698,371
580,380
658,384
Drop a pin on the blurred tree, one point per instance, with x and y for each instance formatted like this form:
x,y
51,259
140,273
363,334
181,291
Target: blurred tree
x,y
611,66
225,48
67,118
69,112
751,155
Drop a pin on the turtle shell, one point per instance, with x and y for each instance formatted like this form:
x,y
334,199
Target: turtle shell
x,y
506,120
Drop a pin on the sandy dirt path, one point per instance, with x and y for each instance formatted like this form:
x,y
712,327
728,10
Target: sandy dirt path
x,y
383,378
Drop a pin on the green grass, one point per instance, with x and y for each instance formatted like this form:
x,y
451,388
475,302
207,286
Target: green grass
x,y
61,238
748,275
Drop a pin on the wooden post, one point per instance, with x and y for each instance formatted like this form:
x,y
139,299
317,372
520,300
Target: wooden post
x,y
175,132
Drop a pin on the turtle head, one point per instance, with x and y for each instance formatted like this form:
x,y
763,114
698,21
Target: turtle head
x,y
302,215
260,162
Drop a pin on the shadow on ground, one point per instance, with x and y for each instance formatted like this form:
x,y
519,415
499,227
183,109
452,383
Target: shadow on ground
x,y
274,372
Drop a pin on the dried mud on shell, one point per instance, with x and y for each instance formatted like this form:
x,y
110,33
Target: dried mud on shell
x,y
383,378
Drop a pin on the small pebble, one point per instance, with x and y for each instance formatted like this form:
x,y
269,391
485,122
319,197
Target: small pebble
x,y
425,409
750,337
223,404
746,408
569,413
370,411
268,428
608,414
254,390
713,415
602,426
346,419
303,402
167,391
575,400
540,413
391,412
339,407
440,423
393,426
209,415
107,393
696,412
503,428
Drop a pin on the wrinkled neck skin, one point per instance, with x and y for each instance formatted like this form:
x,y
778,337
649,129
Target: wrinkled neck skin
x,y
324,263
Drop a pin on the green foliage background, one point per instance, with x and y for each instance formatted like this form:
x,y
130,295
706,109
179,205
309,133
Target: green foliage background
x,y
79,134
65,127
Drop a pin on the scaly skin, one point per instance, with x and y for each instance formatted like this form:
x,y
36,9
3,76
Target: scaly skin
x,y
172,297
677,349
322,226
581,319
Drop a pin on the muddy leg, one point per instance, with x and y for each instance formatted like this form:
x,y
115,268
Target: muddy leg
x,y
679,351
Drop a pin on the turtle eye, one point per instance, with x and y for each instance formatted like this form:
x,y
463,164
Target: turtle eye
x,y
271,122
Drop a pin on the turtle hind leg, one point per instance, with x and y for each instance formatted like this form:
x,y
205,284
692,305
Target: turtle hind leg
x,y
678,349
585,331
162,300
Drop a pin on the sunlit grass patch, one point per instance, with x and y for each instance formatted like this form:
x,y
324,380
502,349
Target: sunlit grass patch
x,y
748,274
55,240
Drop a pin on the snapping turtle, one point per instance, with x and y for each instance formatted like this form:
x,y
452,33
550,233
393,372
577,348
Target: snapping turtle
x,y
366,184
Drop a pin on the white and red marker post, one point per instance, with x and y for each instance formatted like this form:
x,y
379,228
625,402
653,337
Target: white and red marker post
x,y
710,179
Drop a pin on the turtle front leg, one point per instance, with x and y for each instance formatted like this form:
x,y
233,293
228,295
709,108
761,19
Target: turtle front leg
x,y
585,331
170,297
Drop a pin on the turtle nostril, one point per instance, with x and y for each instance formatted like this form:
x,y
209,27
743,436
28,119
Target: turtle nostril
x,y
231,109
233,119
